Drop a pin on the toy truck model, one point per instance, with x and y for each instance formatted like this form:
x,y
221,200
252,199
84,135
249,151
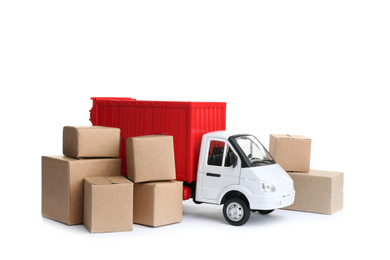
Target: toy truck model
x,y
215,166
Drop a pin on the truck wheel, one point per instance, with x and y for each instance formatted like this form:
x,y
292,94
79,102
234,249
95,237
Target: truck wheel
x,y
236,211
264,212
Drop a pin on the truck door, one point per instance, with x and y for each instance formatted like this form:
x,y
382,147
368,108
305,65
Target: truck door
x,y
221,168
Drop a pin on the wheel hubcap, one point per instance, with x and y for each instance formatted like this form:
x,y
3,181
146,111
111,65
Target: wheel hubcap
x,y
234,211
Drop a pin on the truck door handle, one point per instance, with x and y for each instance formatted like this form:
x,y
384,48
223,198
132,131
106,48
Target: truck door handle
x,y
213,174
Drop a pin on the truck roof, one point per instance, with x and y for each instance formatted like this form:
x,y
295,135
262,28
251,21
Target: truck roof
x,y
219,134
224,134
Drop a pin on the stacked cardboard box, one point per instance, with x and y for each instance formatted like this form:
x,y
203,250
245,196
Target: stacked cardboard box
x,y
151,166
108,204
316,191
63,182
292,152
88,152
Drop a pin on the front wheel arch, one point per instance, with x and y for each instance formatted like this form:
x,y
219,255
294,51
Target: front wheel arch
x,y
234,194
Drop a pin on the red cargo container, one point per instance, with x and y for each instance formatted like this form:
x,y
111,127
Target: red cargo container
x,y
185,121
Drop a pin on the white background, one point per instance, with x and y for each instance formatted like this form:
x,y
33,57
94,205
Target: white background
x,y
315,68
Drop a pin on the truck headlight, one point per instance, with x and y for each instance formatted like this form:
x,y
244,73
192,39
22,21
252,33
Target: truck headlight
x,y
267,187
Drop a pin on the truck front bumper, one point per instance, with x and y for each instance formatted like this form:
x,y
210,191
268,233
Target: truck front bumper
x,y
272,201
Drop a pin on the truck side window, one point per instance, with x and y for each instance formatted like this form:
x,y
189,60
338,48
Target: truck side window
x,y
215,155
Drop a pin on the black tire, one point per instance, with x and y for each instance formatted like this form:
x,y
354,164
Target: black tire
x,y
236,211
265,212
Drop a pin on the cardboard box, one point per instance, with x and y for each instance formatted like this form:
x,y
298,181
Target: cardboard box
x,y
108,204
150,158
292,152
63,184
91,141
318,191
158,203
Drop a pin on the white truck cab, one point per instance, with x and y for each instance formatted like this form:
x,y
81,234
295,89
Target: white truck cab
x,y
237,171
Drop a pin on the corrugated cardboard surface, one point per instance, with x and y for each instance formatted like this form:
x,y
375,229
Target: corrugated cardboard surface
x,y
108,204
318,191
150,158
62,184
91,141
158,203
292,152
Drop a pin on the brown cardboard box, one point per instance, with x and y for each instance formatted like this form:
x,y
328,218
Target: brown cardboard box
x,y
108,204
318,191
62,184
158,203
91,141
292,152
150,158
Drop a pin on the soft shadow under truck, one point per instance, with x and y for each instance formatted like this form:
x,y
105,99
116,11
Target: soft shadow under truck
x,y
215,166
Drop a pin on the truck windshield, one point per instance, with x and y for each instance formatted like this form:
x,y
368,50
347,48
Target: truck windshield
x,y
253,150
